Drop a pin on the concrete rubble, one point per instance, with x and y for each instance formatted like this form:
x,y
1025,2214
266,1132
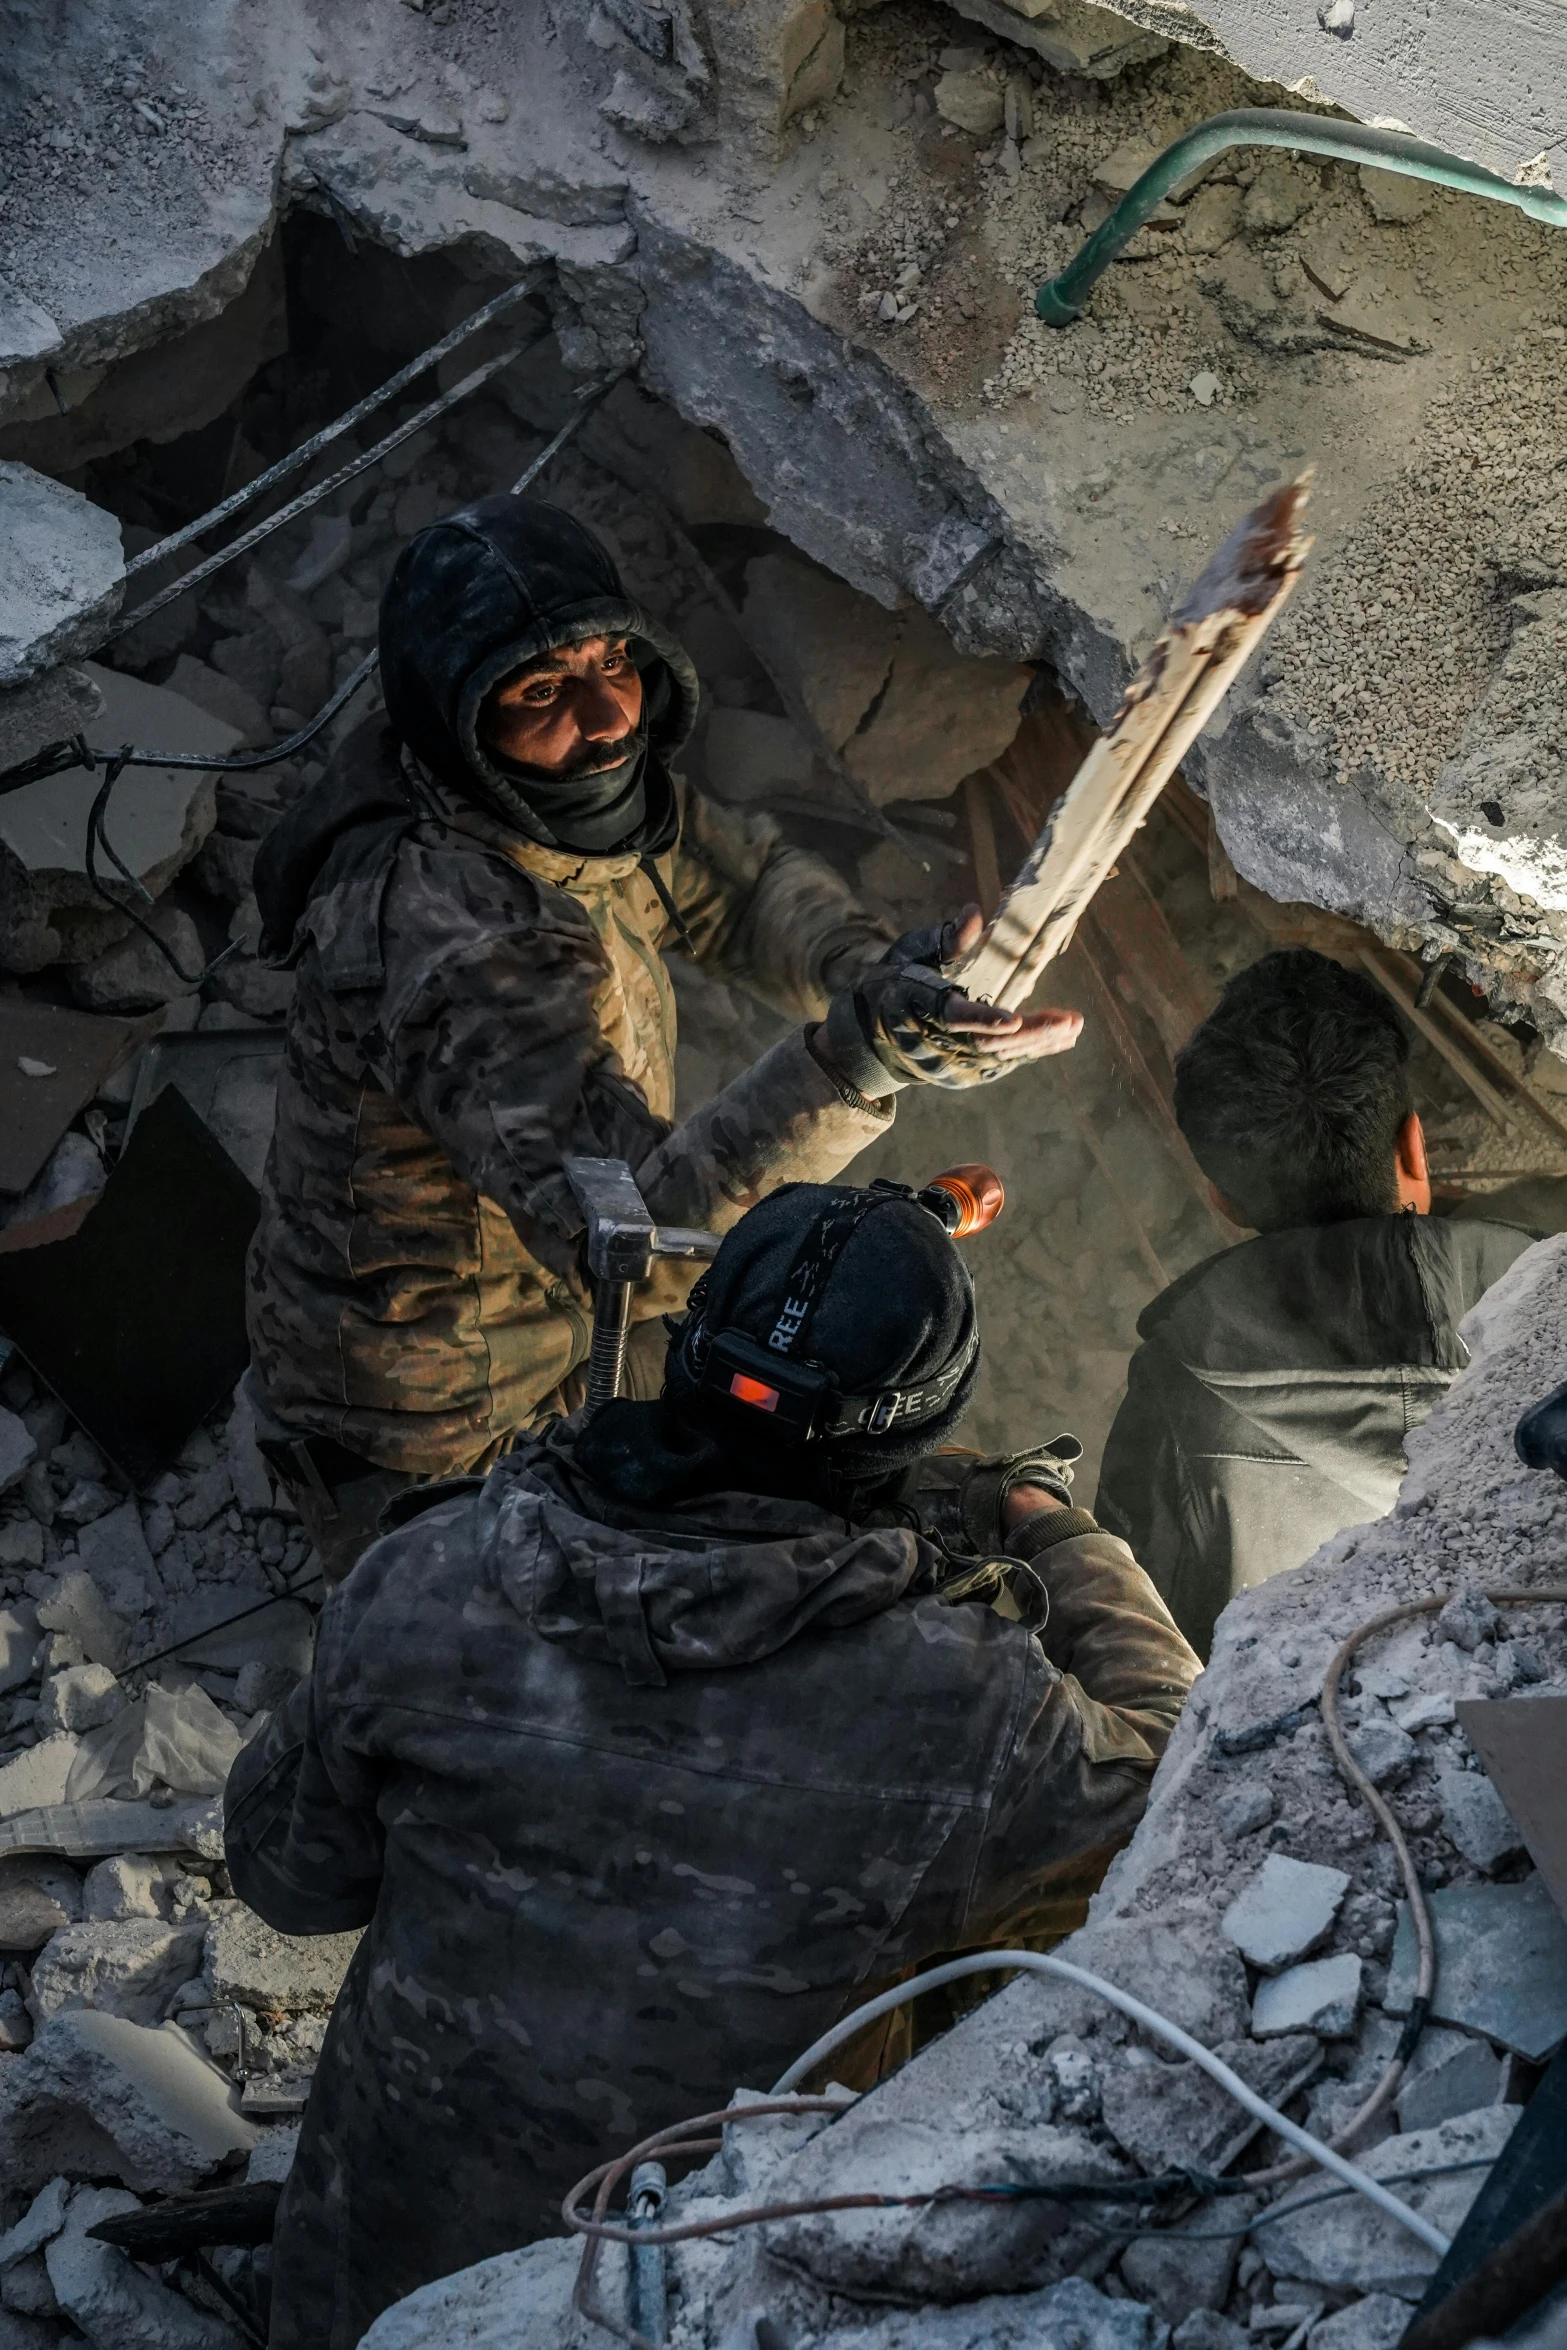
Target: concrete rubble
x,y
984,2101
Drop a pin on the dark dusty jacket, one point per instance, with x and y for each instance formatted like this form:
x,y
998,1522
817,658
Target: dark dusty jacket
x,y
474,1003
1268,1405
629,1812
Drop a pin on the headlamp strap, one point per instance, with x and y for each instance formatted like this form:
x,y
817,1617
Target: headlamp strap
x,y
814,1260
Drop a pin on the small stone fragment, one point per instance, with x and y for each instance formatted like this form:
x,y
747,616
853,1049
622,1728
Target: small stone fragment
x,y
21,1543
113,1550
37,1898
1383,1751
1323,1996
972,101
1286,1911
129,1968
1277,198
247,1961
1393,195
37,1776
1203,387
1468,1618
1464,2074
44,2217
130,1885
1501,1964
18,1638
16,2027
80,1610
79,1698
1424,1712
1475,1818
1245,1809
111,2297
1205,2329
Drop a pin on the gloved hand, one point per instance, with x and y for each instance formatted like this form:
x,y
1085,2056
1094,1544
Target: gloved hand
x,y
904,1023
962,1496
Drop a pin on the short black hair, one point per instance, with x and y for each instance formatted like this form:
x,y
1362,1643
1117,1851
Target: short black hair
x,y
1293,1090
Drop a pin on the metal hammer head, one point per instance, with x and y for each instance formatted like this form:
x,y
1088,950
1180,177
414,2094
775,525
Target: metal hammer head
x,y
623,1239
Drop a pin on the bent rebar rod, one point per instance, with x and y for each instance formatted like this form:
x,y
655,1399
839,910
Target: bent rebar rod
x,y
1064,297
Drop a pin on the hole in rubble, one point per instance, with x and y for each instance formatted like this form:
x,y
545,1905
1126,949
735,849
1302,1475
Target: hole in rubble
x,y
920,774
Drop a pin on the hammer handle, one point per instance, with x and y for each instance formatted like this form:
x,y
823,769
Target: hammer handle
x,y
607,1356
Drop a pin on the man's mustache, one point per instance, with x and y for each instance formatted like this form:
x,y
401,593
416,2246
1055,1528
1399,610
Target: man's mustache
x,y
602,759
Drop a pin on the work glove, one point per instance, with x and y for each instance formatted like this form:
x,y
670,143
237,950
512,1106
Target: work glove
x,y
961,1494
903,1022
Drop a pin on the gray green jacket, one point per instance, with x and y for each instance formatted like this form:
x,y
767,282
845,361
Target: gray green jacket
x,y
630,1809
1268,1404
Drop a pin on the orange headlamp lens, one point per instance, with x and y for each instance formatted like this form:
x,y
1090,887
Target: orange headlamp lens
x,y
754,1391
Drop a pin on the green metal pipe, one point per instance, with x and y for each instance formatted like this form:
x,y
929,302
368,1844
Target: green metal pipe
x,y
1065,297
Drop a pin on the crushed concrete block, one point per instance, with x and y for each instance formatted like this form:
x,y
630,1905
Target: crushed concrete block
x,y
1322,1996
1166,2114
97,2096
1378,2322
1286,1911
1501,1964
1475,1818
1243,1810
37,1898
929,2253
516,2301
25,2291
1424,1712
1189,2266
1348,2244
114,1551
37,1775
79,1609
79,1698
17,1450
973,101
1468,1618
129,1967
1452,2074
273,2157
62,571
18,1639
1383,1751
135,976
43,2218
1393,195
129,1885
110,2297
247,1961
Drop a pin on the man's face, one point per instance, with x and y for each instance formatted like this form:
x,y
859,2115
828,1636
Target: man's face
x,y
568,713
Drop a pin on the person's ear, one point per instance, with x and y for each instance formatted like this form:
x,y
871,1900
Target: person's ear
x,y
1227,1209
1411,1169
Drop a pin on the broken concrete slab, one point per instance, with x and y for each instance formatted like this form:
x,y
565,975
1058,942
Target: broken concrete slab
x,y
43,2218
517,2301
1452,2074
129,1968
111,2297
1501,1964
34,1904
1475,1818
1522,1743
136,975
1285,1912
1165,2114
37,1775
1323,1996
247,1961
1187,2267
89,1831
113,1550
79,1698
62,571
79,1609
97,2096
1348,2244
273,2157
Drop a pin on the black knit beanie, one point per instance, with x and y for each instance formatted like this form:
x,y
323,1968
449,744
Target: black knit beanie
x,y
896,1308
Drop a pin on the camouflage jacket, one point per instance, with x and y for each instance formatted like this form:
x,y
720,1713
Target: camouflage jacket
x,y
630,1812
471,1008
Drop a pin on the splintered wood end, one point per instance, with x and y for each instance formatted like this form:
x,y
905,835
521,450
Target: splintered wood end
x,y
1246,573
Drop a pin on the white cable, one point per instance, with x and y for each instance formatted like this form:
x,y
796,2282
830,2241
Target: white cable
x,y
1035,1962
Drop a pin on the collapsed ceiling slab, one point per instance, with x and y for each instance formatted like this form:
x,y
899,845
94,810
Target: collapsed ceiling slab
x,y
784,216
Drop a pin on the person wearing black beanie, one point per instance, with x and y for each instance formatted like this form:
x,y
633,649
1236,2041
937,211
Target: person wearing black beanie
x,y
640,1759
477,898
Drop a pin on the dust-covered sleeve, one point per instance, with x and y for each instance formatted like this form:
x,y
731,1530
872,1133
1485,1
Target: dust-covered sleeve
x,y
774,917
301,1833
491,1036
1103,1689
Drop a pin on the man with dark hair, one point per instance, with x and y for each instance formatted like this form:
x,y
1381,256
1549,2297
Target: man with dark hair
x,y
478,897
641,1762
1268,1404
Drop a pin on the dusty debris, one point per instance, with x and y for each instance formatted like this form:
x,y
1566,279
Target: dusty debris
x,y
97,2094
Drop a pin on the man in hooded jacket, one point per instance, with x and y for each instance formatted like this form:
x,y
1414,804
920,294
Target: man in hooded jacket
x,y
640,1764
477,898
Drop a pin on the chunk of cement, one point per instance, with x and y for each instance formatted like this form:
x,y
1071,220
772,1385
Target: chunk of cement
x,y
517,2301
88,1831
37,1775
1166,2114
1286,1911
929,2252
34,1904
972,101
1322,1996
1457,2076
18,1639
1189,2266
273,2158
79,1698
17,1450
62,571
43,2218
247,1961
115,2302
135,975
132,1885
1383,1751
97,2096
1475,1818
79,1609
114,1551
126,1967
1378,2322
1501,1964
1349,2244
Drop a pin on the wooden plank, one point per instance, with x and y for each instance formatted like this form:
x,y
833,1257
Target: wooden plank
x,y
1151,958
1458,1060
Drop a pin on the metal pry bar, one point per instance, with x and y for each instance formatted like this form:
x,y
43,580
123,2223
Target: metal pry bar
x,y
623,1242
1210,637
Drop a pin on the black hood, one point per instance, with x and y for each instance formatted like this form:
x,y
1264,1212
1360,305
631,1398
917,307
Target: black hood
x,y
478,594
